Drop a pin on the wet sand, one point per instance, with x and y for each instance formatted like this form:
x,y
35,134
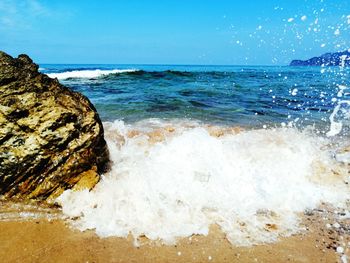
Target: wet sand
x,y
43,240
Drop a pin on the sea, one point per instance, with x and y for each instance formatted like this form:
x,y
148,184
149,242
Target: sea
x,y
249,96
242,147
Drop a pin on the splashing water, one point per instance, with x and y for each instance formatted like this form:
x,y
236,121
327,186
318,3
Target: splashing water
x,y
174,179
336,127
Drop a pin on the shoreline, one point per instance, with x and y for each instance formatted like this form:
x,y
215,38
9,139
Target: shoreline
x,y
53,240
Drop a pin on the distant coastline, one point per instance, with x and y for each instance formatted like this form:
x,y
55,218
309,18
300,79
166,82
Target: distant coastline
x,y
327,59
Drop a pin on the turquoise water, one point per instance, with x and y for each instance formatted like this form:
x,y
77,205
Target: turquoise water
x,y
239,95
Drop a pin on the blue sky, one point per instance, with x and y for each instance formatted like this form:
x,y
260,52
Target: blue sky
x,y
174,31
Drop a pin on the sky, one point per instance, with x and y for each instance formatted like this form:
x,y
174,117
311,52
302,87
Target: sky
x,y
208,32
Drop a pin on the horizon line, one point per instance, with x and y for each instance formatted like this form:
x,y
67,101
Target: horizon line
x,y
158,64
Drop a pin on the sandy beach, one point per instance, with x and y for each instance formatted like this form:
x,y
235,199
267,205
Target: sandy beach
x,y
53,240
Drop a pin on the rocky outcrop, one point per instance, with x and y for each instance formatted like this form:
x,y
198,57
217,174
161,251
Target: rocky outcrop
x,y
51,138
328,59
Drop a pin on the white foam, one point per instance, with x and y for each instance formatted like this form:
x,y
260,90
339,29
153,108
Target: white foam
x,y
88,73
341,90
337,126
252,184
294,92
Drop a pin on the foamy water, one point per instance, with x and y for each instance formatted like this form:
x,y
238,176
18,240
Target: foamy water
x,y
87,73
174,179
342,109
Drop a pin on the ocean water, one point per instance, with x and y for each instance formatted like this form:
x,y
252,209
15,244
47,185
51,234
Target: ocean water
x,y
246,148
234,95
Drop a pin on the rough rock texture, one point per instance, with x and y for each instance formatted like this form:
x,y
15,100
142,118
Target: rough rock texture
x,y
51,138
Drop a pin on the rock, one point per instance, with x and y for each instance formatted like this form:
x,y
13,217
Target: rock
x,y
328,59
51,138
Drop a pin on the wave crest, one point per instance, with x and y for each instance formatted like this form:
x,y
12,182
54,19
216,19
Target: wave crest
x,y
89,74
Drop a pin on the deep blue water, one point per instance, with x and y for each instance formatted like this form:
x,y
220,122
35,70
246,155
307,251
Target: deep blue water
x,y
239,95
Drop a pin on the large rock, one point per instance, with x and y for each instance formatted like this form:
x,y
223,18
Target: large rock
x,y
51,138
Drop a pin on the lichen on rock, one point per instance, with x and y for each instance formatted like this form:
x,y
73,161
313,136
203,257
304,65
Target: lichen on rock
x,y
51,138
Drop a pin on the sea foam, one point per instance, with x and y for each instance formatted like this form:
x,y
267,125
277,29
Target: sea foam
x,y
173,180
343,109
88,73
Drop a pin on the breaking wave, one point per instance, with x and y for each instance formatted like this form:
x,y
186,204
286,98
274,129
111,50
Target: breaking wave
x,y
89,74
173,179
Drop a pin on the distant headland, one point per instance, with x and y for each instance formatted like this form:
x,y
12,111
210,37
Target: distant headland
x,y
328,59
